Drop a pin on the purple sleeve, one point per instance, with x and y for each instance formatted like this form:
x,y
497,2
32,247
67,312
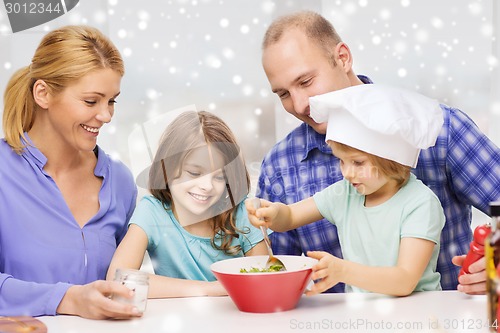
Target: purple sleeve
x,y
29,298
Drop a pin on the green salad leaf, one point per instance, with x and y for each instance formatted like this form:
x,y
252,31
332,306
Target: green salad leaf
x,y
272,268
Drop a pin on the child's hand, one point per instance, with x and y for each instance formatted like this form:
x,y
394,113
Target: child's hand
x,y
262,216
324,272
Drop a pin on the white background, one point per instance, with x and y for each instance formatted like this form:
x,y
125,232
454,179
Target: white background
x,y
207,53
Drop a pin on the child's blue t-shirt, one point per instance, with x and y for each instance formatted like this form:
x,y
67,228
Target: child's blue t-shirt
x,y
176,253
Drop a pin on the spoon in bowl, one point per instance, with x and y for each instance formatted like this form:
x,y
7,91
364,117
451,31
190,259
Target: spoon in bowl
x,y
273,263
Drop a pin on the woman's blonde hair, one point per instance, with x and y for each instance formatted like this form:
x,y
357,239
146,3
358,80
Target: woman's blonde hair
x,y
183,135
64,56
391,169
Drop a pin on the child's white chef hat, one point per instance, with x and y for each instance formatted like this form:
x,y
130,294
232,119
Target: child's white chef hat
x,y
387,122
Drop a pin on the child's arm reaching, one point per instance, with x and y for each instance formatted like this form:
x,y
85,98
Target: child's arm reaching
x,y
280,217
130,254
165,287
399,280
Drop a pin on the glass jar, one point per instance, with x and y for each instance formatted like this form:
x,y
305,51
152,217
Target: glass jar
x,y
492,255
135,280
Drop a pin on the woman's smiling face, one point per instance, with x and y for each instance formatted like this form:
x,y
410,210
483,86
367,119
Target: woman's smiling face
x,y
76,114
199,186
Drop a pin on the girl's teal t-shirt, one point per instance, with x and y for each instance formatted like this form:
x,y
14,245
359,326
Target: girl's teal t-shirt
x,y
176,253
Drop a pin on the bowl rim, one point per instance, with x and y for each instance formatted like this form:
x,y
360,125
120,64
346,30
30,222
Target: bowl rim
x,y
279,256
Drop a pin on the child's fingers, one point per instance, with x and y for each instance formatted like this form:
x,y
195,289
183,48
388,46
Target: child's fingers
x,y
255,220
313,291
253,205
319,272
316,254
249,205
318,287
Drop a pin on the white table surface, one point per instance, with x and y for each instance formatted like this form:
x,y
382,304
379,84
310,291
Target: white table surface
x,y
446,311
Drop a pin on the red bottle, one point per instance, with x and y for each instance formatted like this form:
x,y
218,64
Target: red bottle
x,y
476,250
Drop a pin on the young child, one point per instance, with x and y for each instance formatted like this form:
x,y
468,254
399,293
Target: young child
x,y
194,215
389,223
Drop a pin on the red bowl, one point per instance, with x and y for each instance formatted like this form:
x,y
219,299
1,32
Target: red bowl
x,y
264,292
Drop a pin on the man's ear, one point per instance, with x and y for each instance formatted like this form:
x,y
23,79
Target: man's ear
x,y
343,56
41,94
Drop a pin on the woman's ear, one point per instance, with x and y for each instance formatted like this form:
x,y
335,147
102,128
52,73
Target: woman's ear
x,y
41,94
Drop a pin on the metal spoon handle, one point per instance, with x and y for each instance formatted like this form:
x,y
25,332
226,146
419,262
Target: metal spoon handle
x,y
267,240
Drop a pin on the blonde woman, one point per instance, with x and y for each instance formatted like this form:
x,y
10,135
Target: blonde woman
x,y
65,203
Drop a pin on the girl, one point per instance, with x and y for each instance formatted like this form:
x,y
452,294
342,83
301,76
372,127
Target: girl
x,y
193,216
64,203
389,223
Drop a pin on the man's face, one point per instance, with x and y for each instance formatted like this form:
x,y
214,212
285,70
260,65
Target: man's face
x,y
298,69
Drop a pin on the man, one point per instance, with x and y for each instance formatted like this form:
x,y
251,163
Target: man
x,y
303,56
